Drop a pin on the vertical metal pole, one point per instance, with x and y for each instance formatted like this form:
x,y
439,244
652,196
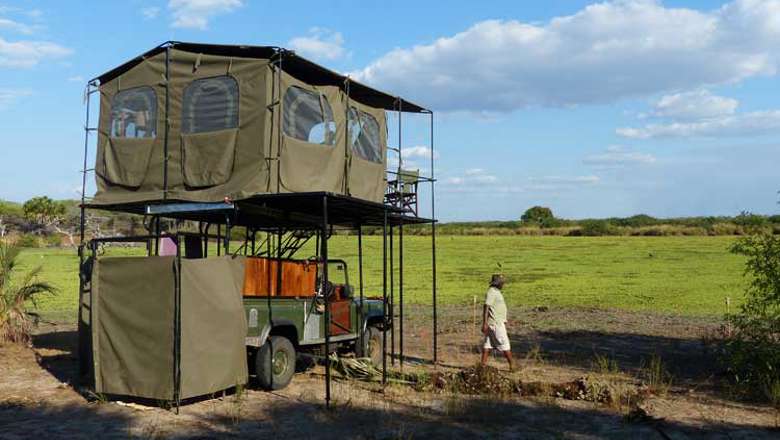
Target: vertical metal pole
x,y
84,168
400,238
82,329
177,328
401,292
167,120
279,125
219,239
384,298
360,285
279,234
391,303
433,249
206,239
324,243
157,232
347,144
227,234
399,182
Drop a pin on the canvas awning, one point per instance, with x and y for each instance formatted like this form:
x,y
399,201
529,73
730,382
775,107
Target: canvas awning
x,y
297,66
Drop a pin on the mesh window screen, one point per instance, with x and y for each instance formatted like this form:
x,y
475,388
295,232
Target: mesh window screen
x,y
308,117
210,104
364,135
134,113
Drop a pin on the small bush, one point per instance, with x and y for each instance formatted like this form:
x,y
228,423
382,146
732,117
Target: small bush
x,y
605,364
658,378
16,297
28,241
53,240
751,221
753,351
596,228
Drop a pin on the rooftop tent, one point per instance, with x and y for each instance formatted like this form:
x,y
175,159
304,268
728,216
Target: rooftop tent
x,y
194,122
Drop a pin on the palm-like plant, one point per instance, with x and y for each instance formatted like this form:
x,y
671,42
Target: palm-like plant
x,y
16,321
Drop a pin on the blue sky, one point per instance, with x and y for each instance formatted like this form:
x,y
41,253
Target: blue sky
x,y
594,109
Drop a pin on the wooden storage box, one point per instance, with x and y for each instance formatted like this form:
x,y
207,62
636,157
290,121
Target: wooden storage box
x,y
298,278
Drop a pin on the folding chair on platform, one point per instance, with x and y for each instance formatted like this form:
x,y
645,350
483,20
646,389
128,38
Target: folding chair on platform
x,y
402,191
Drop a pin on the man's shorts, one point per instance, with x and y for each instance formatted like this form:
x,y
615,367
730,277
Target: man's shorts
x,y
497,338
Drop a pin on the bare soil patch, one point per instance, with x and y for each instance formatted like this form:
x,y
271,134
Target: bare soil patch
x,y
569,359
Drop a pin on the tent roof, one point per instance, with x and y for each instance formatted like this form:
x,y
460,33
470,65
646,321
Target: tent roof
x,y
297,66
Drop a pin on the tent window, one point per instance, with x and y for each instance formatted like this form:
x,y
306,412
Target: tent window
x,y
307,116
134,113
210,104
364,135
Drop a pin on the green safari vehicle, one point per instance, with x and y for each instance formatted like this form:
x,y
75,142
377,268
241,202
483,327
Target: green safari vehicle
x,y
282,328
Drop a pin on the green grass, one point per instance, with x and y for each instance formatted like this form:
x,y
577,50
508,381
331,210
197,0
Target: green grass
x,y
682,275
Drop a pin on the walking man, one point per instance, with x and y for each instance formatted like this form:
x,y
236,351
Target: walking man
x,y
494,321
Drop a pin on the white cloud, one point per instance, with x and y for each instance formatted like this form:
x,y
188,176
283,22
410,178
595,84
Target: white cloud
x,y
195,14
420,152
320,44
14,26
617,156
694,105
415,158
151,12
565,181
25,54
9,96
603,53
76,78
745,124
479,182
473,177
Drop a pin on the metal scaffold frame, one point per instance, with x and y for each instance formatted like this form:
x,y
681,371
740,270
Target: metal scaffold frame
x,y
312,214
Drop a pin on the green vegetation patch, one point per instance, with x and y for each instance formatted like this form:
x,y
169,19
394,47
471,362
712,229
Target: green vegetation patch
x,y
682,275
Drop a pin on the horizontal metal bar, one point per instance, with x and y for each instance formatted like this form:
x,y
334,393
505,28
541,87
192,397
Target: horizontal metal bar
x,y
179,208
90,128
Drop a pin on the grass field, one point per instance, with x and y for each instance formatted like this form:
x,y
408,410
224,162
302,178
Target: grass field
x,y
682,275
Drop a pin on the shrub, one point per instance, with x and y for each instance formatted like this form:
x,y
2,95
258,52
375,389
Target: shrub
x,y
751,221
53,240
541,216
27,241
595,228
16,321
753,351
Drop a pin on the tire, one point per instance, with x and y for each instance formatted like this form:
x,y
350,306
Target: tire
x,y
275,363
372,345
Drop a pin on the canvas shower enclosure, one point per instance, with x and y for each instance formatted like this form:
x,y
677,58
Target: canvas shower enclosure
x,y
166,329
202,123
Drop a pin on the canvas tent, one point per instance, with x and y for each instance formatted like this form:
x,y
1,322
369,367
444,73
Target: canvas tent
x,y
201,123
165,329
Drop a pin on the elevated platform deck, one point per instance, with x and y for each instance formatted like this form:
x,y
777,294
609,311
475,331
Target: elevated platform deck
x,y
273,211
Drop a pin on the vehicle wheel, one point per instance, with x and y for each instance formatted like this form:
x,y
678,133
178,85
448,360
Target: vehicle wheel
x,y
372,345
275,363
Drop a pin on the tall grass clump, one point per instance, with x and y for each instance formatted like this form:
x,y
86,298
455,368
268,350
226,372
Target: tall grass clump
x,y
753,351
16,297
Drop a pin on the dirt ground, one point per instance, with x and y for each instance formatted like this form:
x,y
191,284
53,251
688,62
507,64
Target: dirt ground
x,y
40,399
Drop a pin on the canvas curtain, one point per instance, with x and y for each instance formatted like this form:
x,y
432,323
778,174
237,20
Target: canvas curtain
x,y
133,327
